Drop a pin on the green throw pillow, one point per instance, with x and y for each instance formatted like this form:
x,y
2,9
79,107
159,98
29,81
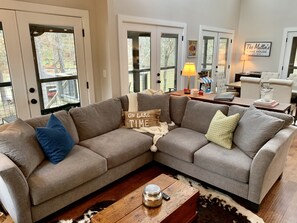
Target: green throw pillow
x,y
221,129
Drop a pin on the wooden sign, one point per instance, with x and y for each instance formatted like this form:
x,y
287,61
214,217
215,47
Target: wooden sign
x,y
257,49
142,118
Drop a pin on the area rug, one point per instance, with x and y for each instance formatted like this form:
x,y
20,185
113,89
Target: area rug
x,y
213,207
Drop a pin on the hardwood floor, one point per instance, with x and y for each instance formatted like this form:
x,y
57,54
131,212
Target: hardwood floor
x,y
279,206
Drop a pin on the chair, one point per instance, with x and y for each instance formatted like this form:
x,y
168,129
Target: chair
x,y
265,76
293,77
250,87
282,92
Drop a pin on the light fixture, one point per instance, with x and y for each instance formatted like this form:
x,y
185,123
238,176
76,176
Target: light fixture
x,y
244,57
189,70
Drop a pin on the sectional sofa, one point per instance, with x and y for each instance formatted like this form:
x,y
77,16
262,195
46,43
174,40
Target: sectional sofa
x,y
31,187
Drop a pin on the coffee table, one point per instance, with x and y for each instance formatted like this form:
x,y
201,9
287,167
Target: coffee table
x,y
182,206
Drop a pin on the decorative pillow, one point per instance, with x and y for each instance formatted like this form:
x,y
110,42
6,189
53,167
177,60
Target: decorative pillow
x,y
254,129
142,118
149,102
19,143
221,129
54,139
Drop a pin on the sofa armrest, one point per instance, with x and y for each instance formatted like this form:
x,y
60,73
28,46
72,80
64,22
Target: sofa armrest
x,y
269,163
14,191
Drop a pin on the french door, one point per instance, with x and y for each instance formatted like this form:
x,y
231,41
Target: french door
x,y
290,57
42,64
215,52
150,57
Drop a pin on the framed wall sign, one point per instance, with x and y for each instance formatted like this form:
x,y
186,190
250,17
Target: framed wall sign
x,y
192,48
257,49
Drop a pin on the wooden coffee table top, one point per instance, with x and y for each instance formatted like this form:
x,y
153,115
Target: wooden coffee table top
x,y
180,208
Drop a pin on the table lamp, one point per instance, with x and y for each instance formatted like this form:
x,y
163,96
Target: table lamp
x,y
189,70
244,57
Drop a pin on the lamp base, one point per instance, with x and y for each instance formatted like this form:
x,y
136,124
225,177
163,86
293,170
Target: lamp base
x,y
187,91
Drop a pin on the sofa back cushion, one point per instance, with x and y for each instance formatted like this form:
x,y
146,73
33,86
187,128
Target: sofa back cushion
x,y
198,115
98,118
254,129
18,142
241,110
149,102
177,108
63,116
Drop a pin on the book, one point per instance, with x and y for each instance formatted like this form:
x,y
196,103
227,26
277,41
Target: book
x,y
224,97
262,102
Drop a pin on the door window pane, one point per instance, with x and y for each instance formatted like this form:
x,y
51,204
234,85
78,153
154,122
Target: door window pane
x,y
7,104
168,62
223,50
293,58
54,48
139,60
207,53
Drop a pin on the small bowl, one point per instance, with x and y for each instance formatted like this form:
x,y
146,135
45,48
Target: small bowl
x,y
152,196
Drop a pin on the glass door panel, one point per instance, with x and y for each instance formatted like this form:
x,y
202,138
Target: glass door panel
x,y
56,77
56,67
168,62
7,103
208,54
293,58
223,55
139,60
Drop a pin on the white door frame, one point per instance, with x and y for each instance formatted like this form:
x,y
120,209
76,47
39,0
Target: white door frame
x,y
14,57
123,22
282,61
55,10
203,28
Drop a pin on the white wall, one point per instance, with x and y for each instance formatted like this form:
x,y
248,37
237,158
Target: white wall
x,y
264,20
216,13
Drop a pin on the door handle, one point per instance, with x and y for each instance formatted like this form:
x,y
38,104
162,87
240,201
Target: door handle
x,y
158,74
158,81
33,101
31,90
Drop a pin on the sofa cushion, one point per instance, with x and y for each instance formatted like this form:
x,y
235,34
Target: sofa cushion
x,y
198,115
254,129
177,108
49,180
148,102
142,118
97,119
19,143
241,110
233,163
55,140
63,116
119,146
181,143
221,129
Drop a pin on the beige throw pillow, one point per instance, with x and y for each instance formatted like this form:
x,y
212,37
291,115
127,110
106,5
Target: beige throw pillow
x,y
142,118
221,129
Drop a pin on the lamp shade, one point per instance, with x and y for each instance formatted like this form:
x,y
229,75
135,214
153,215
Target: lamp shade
x,y
189,69
244,57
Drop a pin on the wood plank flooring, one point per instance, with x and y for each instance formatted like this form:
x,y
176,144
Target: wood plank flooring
x,y
279,206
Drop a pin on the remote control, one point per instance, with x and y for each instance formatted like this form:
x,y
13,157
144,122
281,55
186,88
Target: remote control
x,y
165,196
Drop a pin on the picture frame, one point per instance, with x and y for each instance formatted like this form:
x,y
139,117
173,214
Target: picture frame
x,y
192,48
258,49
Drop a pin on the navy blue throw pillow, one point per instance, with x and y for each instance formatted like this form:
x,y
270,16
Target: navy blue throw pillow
x,y
55,140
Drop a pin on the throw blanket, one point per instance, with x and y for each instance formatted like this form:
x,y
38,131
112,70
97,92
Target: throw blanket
x,y
157,131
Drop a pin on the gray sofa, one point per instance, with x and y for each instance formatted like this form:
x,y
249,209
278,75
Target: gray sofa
x,y
105,151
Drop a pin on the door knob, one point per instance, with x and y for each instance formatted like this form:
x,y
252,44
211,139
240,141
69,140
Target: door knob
x,y
158,74
33,101
31,90
158,81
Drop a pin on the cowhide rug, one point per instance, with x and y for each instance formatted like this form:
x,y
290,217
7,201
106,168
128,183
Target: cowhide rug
x,y
213,207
